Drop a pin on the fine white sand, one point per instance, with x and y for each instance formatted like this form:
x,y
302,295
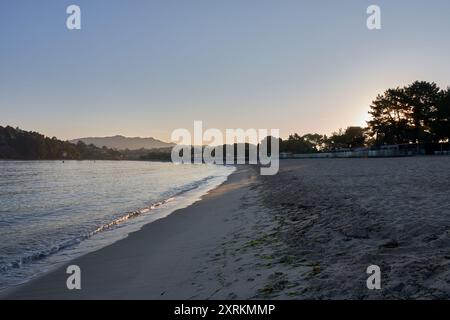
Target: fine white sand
x,y
309,232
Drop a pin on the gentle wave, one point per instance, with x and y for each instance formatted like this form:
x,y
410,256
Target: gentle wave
x,y
20,262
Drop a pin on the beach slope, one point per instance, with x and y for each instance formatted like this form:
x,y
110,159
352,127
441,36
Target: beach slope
x,y
159,261
309,232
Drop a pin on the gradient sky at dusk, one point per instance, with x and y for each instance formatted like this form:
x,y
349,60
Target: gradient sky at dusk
x,y
144,68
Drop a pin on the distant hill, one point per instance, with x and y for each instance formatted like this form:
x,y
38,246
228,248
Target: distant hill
x,y
122,143
28,145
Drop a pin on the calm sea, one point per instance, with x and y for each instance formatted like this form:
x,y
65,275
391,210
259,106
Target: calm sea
x,y
51,212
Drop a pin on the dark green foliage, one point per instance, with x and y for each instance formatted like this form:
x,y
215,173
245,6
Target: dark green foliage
x,y
25,145
301,144
161,154
418,113
351,138
440,118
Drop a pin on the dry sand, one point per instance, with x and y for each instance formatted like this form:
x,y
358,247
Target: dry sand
x,y
307,233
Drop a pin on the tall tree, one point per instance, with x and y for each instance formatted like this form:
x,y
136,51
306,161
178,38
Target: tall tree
x,y
440,119
317,140
391,118
421,98
297,144
352,137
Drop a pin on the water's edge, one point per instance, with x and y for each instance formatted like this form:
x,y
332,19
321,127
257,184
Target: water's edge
x,y
139,219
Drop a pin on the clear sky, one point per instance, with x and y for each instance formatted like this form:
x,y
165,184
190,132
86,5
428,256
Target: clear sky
x,y
144,68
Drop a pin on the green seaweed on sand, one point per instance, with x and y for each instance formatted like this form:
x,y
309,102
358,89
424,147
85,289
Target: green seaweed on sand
x,y
260,241
268,289
315,269
288,259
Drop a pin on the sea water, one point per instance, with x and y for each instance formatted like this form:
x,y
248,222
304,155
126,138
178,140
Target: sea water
x,y
54,211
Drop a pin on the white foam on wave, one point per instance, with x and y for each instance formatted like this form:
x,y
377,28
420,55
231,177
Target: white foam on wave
x,y
36,263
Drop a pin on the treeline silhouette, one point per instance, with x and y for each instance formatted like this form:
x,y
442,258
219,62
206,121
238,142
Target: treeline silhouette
x,y
232,151
25,145
415,114
418,113
351,138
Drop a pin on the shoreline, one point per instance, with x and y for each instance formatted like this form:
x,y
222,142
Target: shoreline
x,y
309,232
118,198
110,262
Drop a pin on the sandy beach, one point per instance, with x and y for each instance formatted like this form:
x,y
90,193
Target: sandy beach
x,y
308,232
